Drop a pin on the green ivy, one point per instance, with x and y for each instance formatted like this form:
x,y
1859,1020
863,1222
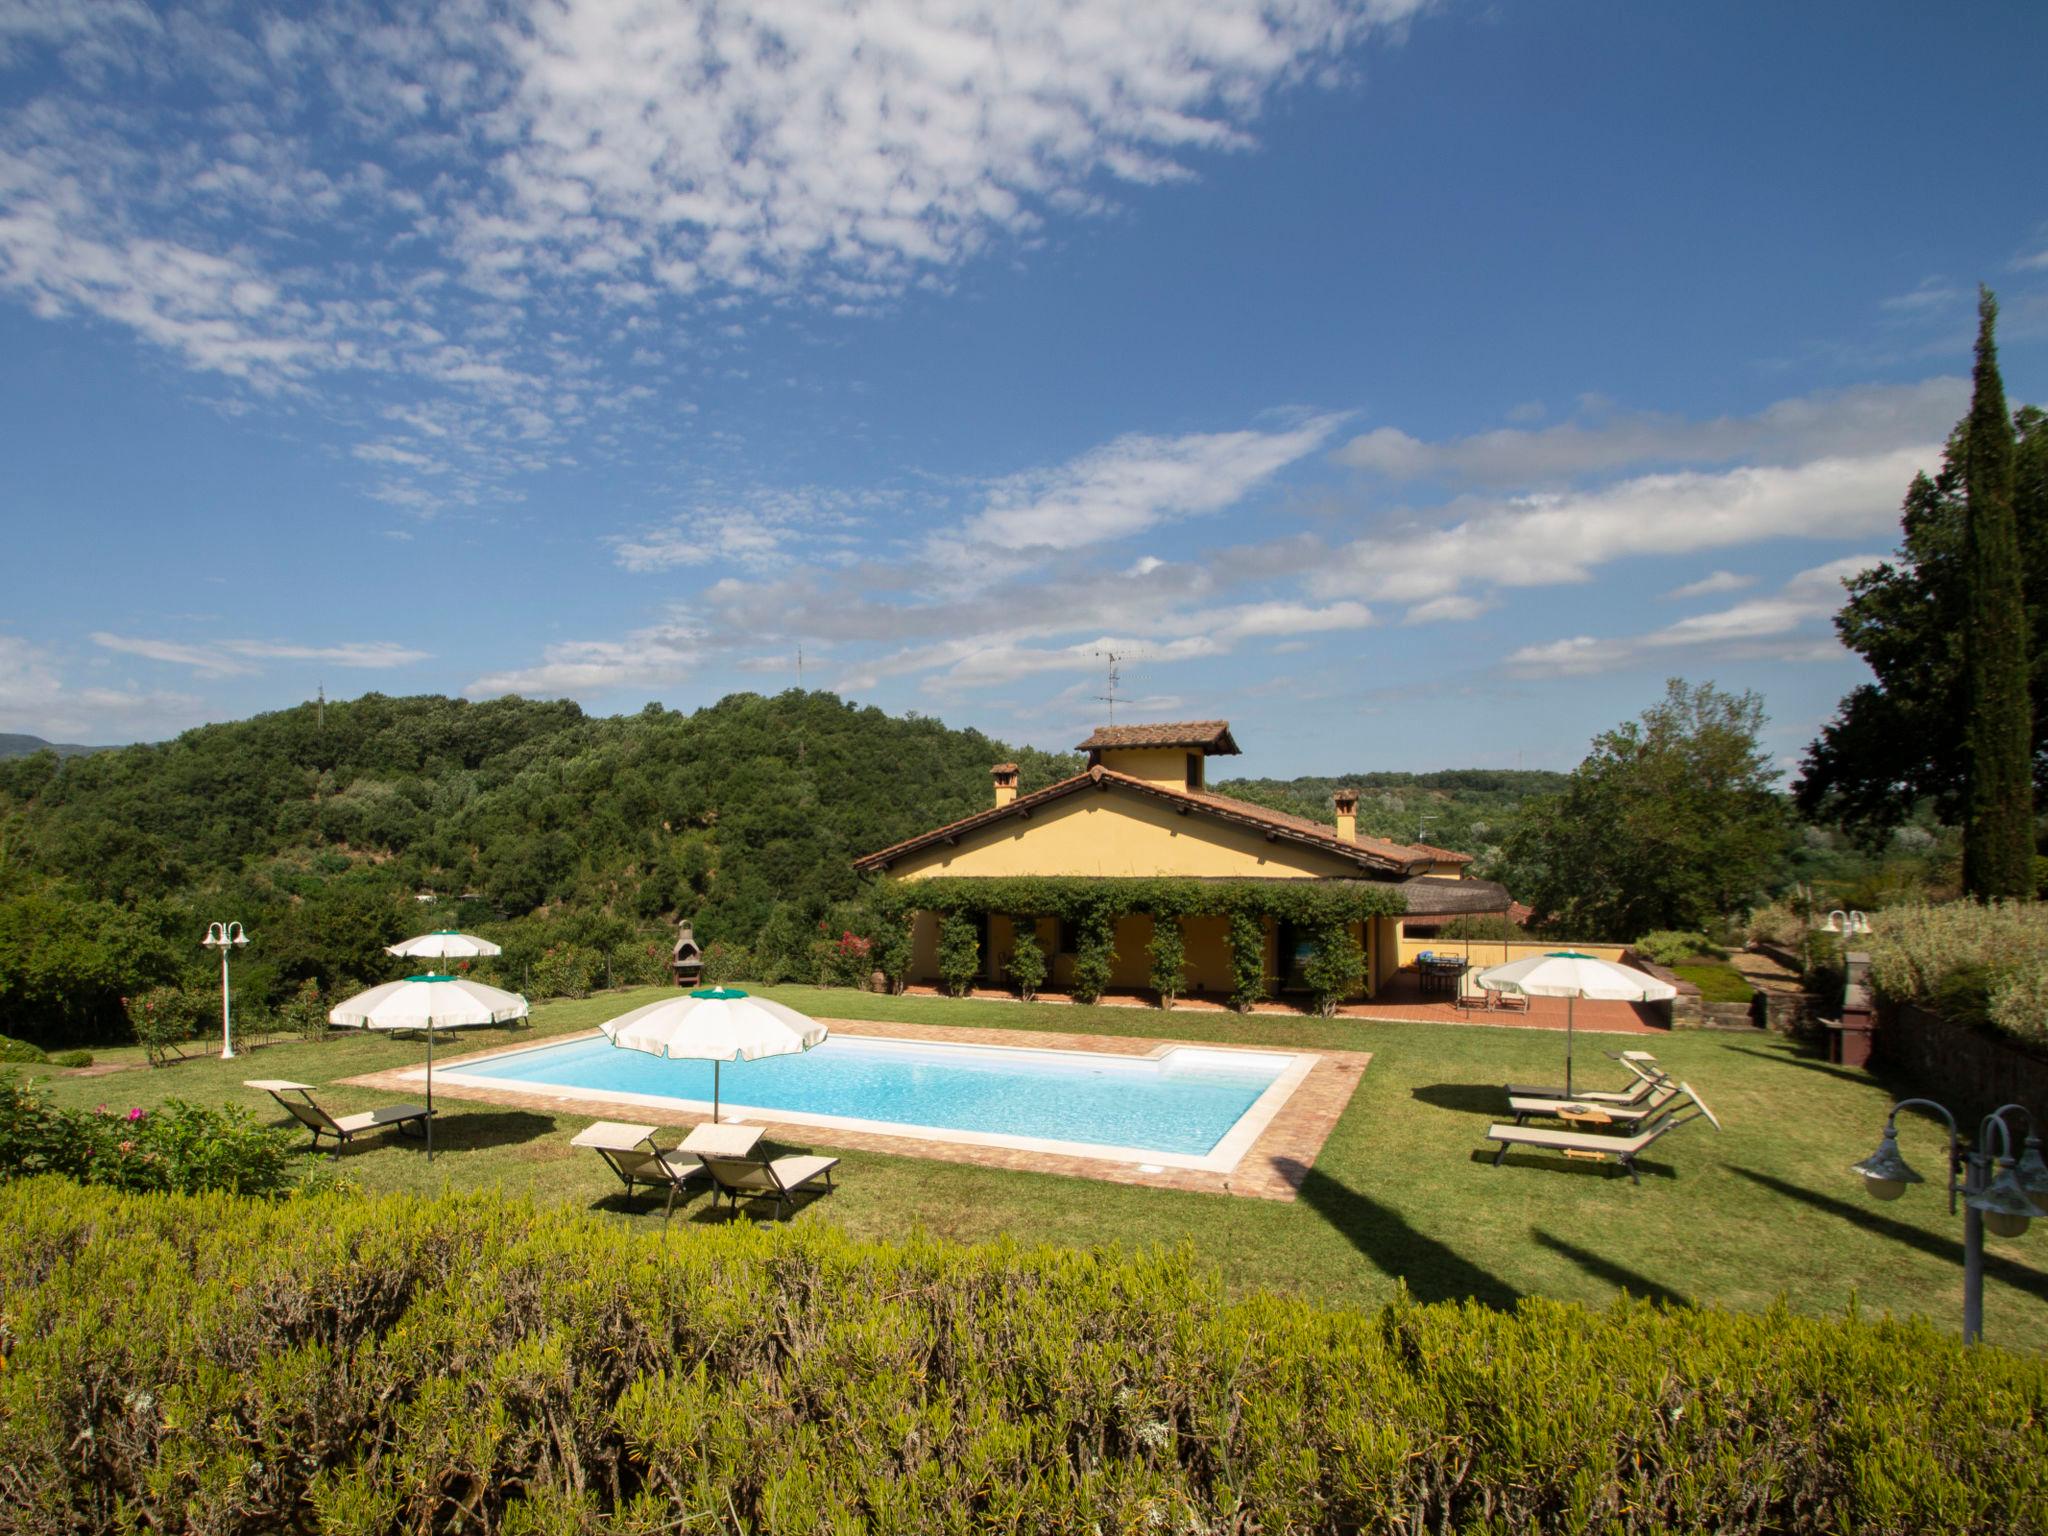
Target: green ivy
x,y
1094,956
1247,961
1335,969
1305,903
1027,959
959,954
1169,959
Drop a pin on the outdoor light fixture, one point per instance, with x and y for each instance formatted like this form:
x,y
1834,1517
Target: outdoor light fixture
x,y
1886,1174
225,937
1994,1187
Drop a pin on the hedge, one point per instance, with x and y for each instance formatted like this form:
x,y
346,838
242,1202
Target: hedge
x,y
1078,898
186,1364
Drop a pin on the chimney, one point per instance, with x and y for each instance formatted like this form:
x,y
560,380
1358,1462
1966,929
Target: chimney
x,y
1005,775
1347,814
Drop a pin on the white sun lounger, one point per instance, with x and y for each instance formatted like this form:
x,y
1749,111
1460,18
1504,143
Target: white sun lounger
x,y
1591,1146
340,1127
1587,1114
630,1152
739,1172
1647,1073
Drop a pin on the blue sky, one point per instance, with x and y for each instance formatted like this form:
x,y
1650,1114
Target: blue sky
x,y
1414,384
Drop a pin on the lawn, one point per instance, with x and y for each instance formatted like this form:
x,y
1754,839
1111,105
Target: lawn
x,y
1718,981
1767,1209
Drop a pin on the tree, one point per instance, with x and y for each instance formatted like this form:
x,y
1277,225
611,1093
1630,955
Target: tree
x,y
1998,824
1898,740
1672,821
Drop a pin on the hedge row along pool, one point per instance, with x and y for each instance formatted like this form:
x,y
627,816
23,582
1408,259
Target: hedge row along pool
x,y
331,1363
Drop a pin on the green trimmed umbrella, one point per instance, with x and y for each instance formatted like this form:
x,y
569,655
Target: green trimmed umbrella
x,y
444,944
1570,975
429,1003
715,1024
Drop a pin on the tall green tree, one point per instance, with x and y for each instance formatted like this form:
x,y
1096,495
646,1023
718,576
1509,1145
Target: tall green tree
x,y
1998,825
1899,739
1672,821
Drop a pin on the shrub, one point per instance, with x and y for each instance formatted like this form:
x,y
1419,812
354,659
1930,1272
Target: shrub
x,y
1668,946
1027,960
408,1365
1335,969
1979,965
959,953
1169,959
1781,925
179,1148
1094,957
162,1018
20,1050
891,950
304,1013
727,962
71,1060
638,963
848,961
1247,961
561,971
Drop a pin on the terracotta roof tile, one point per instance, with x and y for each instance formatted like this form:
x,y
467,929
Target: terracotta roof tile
x,y
1397,858
1442,855
1211,735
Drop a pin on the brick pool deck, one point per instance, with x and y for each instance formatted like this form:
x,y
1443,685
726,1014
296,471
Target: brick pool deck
x,y
1272,1169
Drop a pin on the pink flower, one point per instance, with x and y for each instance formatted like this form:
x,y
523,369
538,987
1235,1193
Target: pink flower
x,y
134,1115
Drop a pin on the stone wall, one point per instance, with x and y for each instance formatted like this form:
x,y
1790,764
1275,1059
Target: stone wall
x,y
1970,1071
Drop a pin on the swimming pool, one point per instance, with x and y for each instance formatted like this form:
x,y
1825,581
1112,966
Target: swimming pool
x,y
1182,1106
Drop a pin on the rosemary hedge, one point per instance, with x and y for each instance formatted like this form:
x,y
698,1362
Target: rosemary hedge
x,y
186,1364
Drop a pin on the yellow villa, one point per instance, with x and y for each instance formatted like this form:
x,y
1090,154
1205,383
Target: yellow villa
x,y
1142,809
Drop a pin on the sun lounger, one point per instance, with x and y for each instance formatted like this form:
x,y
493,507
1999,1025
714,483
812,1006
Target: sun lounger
x,y
739,1172
1591,1146
630,1152
342,1127
1647,1076
1587,1115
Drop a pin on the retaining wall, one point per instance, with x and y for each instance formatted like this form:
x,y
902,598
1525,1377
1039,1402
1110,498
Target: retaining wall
x,y
1966,1069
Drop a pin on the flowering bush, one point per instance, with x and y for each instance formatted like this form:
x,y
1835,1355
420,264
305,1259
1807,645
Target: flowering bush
x,y
562,971
725,962
1978,964
162,1018
847,961
304,1013
639,963
179,1148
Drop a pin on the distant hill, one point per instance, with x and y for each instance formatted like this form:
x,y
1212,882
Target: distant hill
x,y
1466,809
27,746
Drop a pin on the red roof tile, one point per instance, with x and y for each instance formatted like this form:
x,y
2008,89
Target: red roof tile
x,y
1213,736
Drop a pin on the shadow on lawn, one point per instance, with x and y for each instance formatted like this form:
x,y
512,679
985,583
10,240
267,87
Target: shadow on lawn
x,y
1465,1098
2018,1276
1433,1271
1606,1269
1811,1064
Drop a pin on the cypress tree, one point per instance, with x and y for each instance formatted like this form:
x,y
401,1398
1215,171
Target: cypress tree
x,y
1998,827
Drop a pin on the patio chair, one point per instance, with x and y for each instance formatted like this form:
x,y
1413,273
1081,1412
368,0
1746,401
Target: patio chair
x,y
1647,1076
1489,999
1592,1146
739,1172
1588,1116
631,1152
341,1127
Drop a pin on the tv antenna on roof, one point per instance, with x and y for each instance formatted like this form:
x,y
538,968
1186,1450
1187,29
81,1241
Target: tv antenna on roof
x,y
1109,698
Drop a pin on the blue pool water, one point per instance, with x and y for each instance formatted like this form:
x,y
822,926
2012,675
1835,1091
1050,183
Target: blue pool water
x,y
1185,1102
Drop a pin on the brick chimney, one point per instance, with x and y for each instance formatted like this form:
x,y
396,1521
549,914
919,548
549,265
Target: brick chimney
x,y
1347,814
1005,775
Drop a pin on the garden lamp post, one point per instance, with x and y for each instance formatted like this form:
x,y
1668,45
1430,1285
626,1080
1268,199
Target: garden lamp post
x,y
224,937
1997,1190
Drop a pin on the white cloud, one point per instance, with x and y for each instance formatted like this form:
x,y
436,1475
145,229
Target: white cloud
x,y
1453,607
1713,582
1547,540
238,658
756,532
1135,483
1788,625
35,700
1844,424
657,656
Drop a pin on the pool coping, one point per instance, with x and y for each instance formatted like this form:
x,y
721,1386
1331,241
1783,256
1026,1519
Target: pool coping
x,y
1285,1136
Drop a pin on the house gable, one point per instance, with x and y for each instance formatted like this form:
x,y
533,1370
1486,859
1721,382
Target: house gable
x,y
1106,824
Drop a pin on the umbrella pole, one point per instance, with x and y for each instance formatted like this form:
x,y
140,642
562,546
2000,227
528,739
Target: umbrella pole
x,y
1570,1000
715,1065
430,1088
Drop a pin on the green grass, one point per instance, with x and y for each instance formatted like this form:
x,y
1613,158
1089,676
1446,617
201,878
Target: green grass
x,y
1718,982
1402,1191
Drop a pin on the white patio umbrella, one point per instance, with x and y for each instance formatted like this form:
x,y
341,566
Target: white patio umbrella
x,y
429,1003
444,944
715,1024
1571,975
